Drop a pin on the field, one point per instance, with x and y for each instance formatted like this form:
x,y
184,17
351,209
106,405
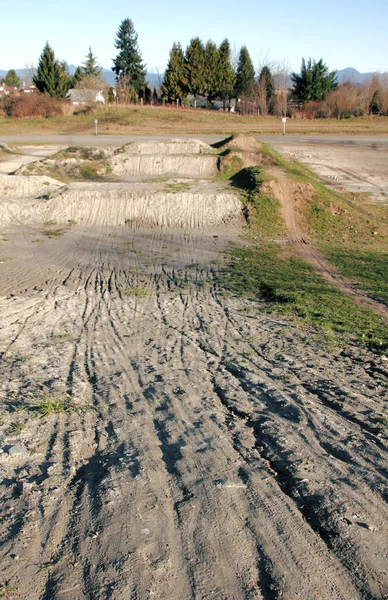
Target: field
x,y
194,375
158,120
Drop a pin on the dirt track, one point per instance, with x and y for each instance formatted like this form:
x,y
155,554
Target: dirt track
x,y
284,190
216,453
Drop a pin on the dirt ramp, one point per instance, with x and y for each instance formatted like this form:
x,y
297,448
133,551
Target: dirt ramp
x,y
14,186
119,207
167,147
154,165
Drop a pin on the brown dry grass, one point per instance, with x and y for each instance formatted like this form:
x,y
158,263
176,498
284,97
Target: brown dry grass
x,y
166,120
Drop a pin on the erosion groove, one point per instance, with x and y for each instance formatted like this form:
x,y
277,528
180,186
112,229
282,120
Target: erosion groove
x,y
203,449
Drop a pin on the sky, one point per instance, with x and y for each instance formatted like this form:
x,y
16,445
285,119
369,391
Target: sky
x,y
345,33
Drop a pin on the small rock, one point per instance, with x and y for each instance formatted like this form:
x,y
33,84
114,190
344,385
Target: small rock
x,y
145,531
16,450
372,527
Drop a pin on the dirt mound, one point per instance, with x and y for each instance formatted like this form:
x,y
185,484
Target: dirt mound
x,y
72,164
174,146
89,204
301,193
154,165
15,186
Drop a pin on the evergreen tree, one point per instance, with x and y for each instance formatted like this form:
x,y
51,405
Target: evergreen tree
x,y
128,64
12,79
314,81
195,68
67,79
245,74
77,77
49,78
212,72
90,66
175,83
266,80
226,77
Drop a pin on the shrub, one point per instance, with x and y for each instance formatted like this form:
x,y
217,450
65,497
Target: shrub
x,y
32,105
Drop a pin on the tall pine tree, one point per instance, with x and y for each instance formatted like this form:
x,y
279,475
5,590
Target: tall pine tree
x,y
314,81
128,64
195,68
49,78
175,82
90,67
226,77
245,74
267,83
211,72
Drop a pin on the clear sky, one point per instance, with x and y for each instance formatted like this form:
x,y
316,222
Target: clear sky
x,y
343,32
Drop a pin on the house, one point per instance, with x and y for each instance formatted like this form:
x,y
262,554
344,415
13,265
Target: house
x,y
28,89
85,96
6,90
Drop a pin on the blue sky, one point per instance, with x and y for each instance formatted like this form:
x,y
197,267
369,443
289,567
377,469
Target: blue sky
x,y
343,32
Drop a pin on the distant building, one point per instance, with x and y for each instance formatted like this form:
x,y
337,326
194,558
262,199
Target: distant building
x,y
28,89
6,90
85,96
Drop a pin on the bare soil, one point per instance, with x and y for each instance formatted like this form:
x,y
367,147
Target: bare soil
x,y
208,450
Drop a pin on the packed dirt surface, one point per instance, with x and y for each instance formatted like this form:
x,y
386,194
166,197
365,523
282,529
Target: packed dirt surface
x,y
344,166
19,157
161,438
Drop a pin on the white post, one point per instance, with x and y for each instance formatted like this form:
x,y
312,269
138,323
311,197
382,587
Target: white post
x,y
96,124
284,120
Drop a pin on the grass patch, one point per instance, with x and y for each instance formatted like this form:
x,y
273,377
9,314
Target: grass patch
x,y
286,284
16,427
178,186
5,259
60,338
166,121
51,233
349,231
291,286
48,405
135,291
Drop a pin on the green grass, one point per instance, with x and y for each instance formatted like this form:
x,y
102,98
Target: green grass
x,y
48,405
344,227
135,291
178,186
16,427
290,286
51,233
286,284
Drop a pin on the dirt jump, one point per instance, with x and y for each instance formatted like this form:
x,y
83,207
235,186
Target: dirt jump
x,y
159,437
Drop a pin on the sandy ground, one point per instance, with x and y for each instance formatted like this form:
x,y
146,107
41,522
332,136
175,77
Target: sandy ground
x,y
210,451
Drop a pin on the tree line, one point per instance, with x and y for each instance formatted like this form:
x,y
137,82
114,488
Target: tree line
x,y
208,70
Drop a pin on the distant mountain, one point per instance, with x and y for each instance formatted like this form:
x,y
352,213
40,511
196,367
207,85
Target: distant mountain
x,y
352,75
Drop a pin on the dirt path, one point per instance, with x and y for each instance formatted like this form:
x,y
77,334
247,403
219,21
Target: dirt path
x,y
284,191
